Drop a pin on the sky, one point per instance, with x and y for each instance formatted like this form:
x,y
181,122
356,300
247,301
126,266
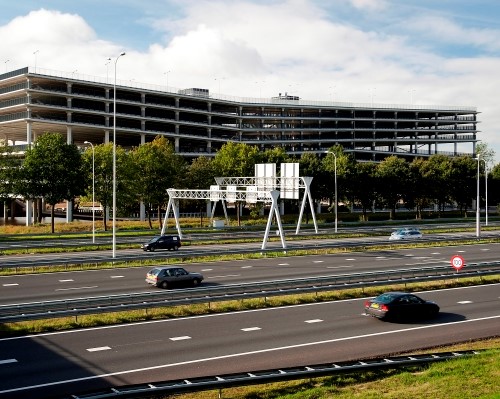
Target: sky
x,y
393,52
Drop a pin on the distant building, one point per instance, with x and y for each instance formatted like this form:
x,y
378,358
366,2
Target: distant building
x,y
198,123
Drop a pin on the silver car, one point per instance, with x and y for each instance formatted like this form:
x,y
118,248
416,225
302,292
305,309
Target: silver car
x,y
407,233
167,277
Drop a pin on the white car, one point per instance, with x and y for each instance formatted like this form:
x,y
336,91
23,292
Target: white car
x,y
405,234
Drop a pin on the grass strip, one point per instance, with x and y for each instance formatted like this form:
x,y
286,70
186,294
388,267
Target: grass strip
x,y
463,378
105,319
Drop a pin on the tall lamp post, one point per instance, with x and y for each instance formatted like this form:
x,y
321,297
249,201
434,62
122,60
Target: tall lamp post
x,y
93,190
478,226
335,180
114,159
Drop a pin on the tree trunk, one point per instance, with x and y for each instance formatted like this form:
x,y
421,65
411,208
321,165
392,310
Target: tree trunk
x,y
104,216
159,217
52,217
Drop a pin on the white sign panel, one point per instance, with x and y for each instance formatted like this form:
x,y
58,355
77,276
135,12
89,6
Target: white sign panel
x,y
289,180
252,194
265,176
214,193
231,194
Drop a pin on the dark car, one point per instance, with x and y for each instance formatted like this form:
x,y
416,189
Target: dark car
x,y
167,277
400,305
162,242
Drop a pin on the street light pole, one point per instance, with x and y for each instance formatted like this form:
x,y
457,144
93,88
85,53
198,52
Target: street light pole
x,y
478,226
93,190
335,180
114,160
486,192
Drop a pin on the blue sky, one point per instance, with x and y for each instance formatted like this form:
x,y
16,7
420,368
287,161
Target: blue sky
x,y
444,52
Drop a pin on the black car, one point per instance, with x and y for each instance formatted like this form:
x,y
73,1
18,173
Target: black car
x,y
167,277
400,305
162,242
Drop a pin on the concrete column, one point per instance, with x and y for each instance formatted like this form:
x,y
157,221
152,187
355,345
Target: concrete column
x,y
106,136
29,212
69,204
176,144
142,212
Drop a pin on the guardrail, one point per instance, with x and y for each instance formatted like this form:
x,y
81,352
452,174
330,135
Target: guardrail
x,y
267,376
117,303
293,245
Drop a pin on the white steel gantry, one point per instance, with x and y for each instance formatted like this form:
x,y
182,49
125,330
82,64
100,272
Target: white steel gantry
x,y
237,195
288,186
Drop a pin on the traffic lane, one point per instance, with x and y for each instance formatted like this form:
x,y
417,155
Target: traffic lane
x,y
21,260
266,335
77,284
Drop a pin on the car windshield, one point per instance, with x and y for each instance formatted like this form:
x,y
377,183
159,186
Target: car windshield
x,y
155,271
154,239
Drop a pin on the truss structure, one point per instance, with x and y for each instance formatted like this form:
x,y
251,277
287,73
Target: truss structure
x,y
287,185
216,195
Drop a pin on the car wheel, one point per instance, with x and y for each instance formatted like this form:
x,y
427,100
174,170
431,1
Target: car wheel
x,y
164,285
152,249
196,282
176,247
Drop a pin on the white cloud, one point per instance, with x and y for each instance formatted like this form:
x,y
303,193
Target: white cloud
x,y
248,48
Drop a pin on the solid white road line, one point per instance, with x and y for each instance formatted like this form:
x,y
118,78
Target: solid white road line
x,y
183,338
241,354
6,361
99,349
251,329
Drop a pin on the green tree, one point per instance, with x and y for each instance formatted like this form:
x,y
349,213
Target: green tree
x,y
463,178
392,173
53,170
103,175
364,190
435,173
236,160
345,174
200,175
275,155
418,194
158,168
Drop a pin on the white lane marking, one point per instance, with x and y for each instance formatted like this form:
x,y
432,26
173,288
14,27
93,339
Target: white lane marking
x,y
461,251
435,253
313,321
318,261
76,288
10,285
464,302
350,259
99,349
206,270
251,329
246,267
6,361
484,249
180,338
380,257
283,264
227,275
116,276
66,281
234,355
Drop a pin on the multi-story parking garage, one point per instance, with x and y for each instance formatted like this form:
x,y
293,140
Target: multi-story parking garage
x,y
199,123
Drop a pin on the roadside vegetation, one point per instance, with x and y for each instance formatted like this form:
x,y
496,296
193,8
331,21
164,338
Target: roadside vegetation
x,y
473,376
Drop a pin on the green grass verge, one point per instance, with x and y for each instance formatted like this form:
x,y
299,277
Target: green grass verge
x,y
104,319
464,378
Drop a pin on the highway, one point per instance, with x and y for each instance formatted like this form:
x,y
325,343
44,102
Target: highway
x,y
78,284
47,365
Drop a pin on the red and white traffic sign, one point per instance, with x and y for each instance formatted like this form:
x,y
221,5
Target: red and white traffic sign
x,y
457,262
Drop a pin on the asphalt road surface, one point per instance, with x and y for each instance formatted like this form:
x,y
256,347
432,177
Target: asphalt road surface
x,y
47,365
78,284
